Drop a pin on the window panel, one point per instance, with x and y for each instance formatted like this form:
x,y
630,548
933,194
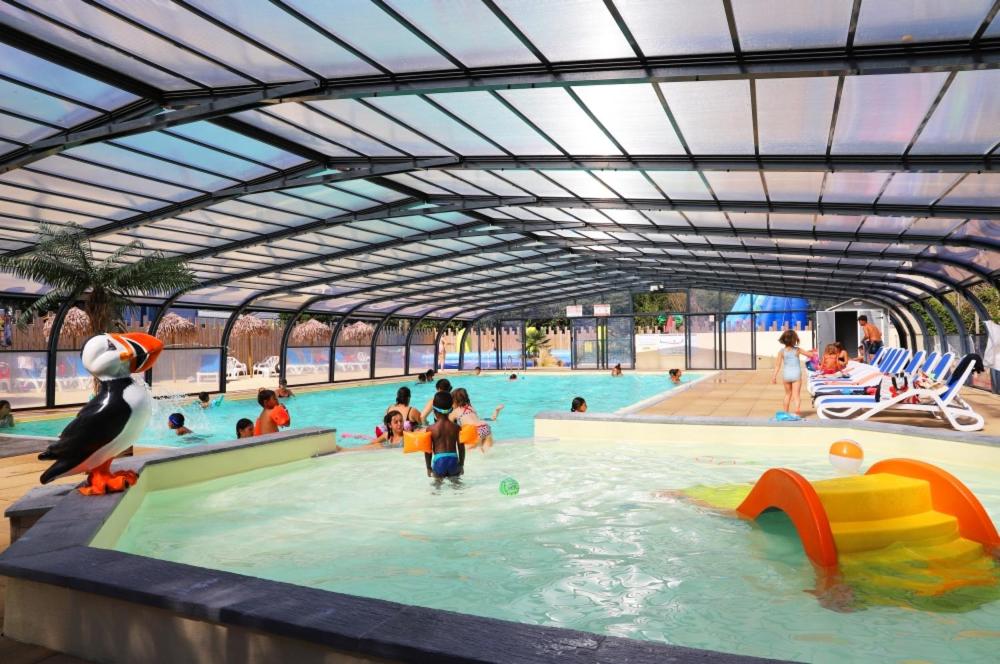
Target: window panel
x,y
967,118
629,184
111,155
304,115
535,183
846,187
892,22
290,132
492,118
793,186
793,114
447,23
880,114
677,27
917,188
21,130
634,116
553,111
736,185
976,189
430,121
170,147
768,25
581,183
60,165
25,101
155,49
371,122
684,185
231,141
714,117
489,182
568,29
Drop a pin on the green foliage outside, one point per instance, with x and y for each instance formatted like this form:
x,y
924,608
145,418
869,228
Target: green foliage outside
x,y
656,302
987,294
535,341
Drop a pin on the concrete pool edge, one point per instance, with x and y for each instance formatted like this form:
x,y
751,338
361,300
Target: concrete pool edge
x,y
662,396
94,600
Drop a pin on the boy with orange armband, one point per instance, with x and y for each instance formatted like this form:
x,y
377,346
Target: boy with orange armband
x,y
272,415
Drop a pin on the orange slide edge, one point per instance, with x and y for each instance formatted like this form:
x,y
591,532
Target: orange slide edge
x,y
949,496
790,492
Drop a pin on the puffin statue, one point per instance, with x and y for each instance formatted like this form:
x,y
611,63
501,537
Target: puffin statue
x,y
113,419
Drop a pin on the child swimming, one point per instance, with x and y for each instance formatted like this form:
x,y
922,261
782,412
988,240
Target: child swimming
x,y
579,405
464,414
175,422
272,414
392,431
203,400
244,428
675,376
448,457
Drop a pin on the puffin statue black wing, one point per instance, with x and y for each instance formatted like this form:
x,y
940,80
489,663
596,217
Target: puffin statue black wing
x,y
114,418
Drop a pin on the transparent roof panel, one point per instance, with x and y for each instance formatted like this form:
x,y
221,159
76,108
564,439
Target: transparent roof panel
x,y
355,114
793,186
766,25
634,116
21,129
289,130
847,187
629,184
686,185
39,106
880,114
917,188
447,23
556,113
793,114
568,29
315,118
489,182
976,189
581,183
231,141
714,117
929,20
967,118
736,185
355,21
489,116
677,27
279,30
435,124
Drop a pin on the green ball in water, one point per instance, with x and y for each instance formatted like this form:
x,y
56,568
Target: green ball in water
x,y
509,486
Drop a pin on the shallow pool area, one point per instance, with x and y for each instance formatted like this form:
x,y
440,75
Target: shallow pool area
x,y
596,540
355,410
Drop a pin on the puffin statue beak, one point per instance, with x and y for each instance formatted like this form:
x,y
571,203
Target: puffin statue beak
x,y
141,350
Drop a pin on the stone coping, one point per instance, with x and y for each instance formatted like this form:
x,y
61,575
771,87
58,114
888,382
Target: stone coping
x,y
880,427
14,445
56,551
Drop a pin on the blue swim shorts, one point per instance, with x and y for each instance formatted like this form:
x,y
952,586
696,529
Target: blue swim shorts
x,y
445,464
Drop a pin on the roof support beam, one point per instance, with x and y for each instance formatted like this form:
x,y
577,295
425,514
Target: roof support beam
x,y
785,207
205,110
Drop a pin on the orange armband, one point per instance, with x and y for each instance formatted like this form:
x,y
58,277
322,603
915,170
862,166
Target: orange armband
x,y
469,435
416,441
280,416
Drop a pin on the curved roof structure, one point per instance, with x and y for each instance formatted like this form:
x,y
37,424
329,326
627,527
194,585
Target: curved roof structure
x,y
449,158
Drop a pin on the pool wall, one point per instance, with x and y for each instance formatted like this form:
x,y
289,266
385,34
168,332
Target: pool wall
x,y
66,593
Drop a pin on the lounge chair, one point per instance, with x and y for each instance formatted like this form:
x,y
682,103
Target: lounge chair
x,y
863,377
268,367
209,369
943,402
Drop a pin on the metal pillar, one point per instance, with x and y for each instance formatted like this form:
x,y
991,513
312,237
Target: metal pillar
x,y
53,351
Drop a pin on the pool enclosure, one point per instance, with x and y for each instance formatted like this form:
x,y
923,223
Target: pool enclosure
x,y
405,172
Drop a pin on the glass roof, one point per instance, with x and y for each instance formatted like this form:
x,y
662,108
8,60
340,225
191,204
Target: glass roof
x,y
451,157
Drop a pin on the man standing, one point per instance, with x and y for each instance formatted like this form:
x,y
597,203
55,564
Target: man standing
x,y
872,338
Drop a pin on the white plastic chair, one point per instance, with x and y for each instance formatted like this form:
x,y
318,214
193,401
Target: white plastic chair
x,y
266,368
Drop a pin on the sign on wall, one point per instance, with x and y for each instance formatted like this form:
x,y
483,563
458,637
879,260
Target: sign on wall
x,y
602,309
574,311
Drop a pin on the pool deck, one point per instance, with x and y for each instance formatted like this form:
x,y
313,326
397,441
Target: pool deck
x,y
749,393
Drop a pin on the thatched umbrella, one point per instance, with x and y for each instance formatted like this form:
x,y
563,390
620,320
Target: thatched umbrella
x,y
357,332
246,327
175,329
76,324
311,333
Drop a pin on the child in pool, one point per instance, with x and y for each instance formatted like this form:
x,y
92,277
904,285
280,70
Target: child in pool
x,y
203,400
176,422
283,392
392,431
6,417
272,414
448,457
443,385
788,365
579,405
244,428
464,414
675,376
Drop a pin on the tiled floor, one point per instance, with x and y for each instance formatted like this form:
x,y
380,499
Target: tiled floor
x,y
751,394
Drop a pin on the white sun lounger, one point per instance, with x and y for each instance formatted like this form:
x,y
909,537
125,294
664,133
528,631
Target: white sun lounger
x,y
868,376
941,402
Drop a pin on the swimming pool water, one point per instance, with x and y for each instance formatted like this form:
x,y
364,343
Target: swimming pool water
x,y
357,409
591,543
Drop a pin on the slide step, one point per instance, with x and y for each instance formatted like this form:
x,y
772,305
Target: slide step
x,y
853,536
950,551
873,497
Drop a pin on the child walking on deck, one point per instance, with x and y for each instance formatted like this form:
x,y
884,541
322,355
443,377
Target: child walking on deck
x,y
788,365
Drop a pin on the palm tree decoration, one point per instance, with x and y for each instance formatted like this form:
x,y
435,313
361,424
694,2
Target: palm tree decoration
x,y
535,342
247,327
63,260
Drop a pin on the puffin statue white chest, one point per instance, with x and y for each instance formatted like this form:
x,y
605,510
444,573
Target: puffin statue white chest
x,y
113,419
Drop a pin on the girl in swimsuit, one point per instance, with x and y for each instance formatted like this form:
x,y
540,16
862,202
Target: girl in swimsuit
x,y
411,416
464,413
787,363
392,435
